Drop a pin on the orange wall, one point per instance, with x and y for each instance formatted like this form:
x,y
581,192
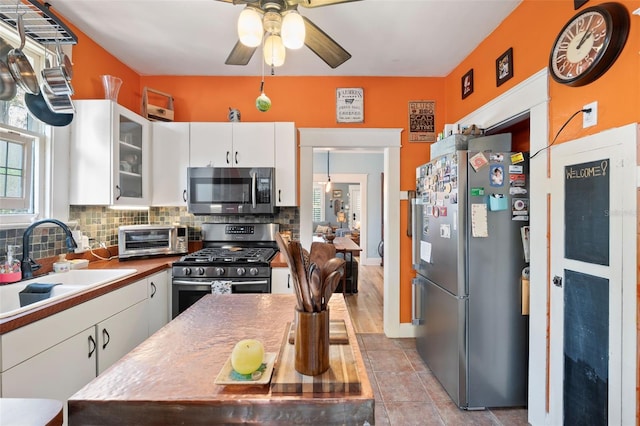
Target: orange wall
x,y
310,101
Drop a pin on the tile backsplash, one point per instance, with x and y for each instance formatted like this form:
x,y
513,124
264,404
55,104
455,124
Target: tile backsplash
x,y
101,224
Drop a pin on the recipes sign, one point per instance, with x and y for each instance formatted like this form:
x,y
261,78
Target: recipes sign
x,y
350,105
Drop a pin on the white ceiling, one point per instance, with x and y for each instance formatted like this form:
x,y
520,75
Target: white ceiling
x,y
384,37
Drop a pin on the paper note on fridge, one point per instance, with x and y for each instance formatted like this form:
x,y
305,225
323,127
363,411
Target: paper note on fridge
x,y
425,251
479,228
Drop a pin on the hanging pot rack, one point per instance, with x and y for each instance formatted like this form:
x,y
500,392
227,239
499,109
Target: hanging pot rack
x,y
40,23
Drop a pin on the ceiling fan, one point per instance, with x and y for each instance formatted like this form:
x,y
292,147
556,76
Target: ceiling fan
x,y
272,12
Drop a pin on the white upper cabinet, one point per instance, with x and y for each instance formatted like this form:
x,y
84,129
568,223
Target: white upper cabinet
x,y
110,156
286,165
170,153
232,145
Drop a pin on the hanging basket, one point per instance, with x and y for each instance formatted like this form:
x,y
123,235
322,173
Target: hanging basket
x,y
154,112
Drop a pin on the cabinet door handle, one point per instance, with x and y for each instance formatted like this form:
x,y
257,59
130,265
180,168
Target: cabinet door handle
x,y
227,157
235,157
184,195
154,289
288,280
119,192
105,338
279,195
92,346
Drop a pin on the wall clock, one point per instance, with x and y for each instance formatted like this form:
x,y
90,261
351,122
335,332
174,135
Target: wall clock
x,y
589,44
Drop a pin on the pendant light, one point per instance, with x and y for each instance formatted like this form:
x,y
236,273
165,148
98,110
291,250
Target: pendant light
x,y
328,187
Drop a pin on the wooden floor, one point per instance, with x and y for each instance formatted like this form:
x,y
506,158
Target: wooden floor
x,y
406,391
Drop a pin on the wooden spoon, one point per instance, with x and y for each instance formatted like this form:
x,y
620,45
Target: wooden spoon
x,y
286,252
296,254
315,275
328,287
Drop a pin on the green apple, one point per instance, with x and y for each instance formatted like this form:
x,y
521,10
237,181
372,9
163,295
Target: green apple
x,y
247,356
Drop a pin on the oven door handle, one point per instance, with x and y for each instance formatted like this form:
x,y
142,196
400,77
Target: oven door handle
x,y
182,282
249,282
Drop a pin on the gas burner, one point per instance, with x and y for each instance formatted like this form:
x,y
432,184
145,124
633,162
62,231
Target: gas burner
x,y
230,255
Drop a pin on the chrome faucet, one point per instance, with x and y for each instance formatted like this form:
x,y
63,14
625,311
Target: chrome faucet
x,y
28,265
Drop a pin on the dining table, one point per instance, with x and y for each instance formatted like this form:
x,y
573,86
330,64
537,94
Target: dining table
x,y
347,245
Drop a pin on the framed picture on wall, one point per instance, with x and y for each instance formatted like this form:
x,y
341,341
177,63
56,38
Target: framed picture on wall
x,y
467,84
577,4
337,193
504,67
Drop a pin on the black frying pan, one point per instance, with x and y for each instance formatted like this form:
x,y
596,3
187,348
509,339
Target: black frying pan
x,y
38,107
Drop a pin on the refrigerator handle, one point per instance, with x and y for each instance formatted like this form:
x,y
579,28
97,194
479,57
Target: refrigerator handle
x,y
412,196
416,234
416,306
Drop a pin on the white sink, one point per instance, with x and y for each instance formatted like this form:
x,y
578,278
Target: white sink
x,y
70,283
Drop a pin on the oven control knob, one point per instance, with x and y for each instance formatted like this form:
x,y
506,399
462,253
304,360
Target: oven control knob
x,y
241,271
200,271
253,271
219,271
186,271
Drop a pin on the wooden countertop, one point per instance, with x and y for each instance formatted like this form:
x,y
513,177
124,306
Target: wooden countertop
x,y
144,267
169,378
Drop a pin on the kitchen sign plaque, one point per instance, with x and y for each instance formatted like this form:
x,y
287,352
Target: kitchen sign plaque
x,y
350,105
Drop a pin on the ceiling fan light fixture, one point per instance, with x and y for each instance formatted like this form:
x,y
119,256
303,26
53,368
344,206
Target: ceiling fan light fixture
x,y
293,30
250,29
274,51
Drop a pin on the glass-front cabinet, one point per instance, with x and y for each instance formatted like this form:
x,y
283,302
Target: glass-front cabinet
x,y
110,155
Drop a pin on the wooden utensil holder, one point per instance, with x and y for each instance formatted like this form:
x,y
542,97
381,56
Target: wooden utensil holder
x,y
311,342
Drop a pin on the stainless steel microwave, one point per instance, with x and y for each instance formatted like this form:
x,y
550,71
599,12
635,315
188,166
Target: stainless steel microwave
x,y
235,190
152,240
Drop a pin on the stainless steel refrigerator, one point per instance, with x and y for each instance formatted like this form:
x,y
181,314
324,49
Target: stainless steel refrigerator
x,y
469,231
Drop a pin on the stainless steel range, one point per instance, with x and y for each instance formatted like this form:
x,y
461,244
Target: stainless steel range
x,y
237,254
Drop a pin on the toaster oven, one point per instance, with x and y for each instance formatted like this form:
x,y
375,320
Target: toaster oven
x,y
152,240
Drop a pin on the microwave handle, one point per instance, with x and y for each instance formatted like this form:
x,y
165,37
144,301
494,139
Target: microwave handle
x,y
253,190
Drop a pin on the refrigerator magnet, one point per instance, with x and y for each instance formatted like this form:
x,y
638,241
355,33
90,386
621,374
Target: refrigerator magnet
x,y
478,161
518,180
496,175
443,210
515,169
445,230
520,208
517,158
496,157
497,202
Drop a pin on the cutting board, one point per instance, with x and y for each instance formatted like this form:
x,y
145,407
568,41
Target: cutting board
x,y
337,333
341,378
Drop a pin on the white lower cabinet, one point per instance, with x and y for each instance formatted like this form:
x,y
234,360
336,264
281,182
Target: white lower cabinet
x,y
120,333
56,356
159,306
56,373
281,281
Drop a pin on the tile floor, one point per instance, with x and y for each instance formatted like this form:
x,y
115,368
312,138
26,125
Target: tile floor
x,y
407,393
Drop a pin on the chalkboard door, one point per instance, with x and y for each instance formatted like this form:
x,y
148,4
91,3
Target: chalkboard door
x,y
586,295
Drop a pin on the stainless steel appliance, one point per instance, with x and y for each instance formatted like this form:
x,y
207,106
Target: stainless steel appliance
x,y
469,215
152,240
236,190
238,253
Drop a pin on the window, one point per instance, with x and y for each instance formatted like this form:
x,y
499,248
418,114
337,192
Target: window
x,y
16,163
22,149
318,202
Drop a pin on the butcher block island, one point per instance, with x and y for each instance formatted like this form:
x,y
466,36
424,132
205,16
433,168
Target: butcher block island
x,y
171,377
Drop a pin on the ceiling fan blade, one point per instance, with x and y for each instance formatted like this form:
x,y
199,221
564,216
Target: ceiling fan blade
x,y
239,1
240,54
319,3
323,45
